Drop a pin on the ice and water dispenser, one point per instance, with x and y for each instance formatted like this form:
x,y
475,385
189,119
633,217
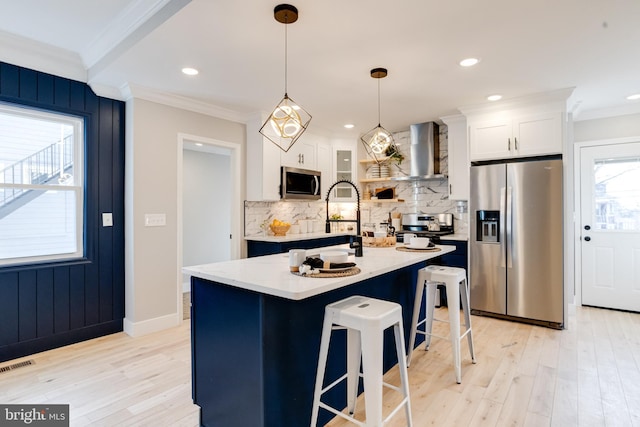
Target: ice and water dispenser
x,y
488,229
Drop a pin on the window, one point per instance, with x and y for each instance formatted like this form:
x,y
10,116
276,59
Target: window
x,y
617,194
41,185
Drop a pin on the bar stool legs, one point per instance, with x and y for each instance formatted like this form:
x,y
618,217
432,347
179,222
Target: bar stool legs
x,y
455,281
365,320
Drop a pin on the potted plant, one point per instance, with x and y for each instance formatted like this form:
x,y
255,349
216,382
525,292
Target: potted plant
x,y
394,154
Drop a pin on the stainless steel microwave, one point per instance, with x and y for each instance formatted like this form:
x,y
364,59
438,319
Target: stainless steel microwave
x,y
301,184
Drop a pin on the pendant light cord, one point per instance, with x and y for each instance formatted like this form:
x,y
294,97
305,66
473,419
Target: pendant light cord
x,y
378,102
285,54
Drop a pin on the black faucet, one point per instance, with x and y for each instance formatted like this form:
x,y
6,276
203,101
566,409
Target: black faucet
x,y
356,241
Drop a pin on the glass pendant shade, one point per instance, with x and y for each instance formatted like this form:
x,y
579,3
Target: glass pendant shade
x,y
286,123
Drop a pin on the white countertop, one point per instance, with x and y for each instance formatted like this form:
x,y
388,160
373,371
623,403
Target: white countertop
x,y
270,274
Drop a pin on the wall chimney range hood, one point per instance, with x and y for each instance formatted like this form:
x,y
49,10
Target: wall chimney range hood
x,y
425,152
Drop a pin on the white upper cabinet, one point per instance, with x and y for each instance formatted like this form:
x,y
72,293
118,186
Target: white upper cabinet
x,y
531,126
302,155
458,157
344,168
520,136
538,134
490,139
324,165
264,160
263,164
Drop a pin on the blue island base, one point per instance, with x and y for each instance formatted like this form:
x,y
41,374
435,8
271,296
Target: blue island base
x,y
254,356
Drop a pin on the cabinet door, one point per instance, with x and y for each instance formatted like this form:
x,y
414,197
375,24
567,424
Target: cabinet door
x,y
538,134
458,157
263,165
344,169
324,160
490,140
301,155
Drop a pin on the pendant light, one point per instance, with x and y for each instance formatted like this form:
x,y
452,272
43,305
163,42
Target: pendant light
x,y
288,120
378,140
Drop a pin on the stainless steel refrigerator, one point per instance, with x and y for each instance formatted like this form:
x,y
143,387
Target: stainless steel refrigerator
x,y
516,243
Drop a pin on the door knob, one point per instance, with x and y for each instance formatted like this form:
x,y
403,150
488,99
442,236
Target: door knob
x,y
587,227
587,238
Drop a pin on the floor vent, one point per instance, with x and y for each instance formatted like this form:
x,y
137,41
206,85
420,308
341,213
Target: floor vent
x,y
16,366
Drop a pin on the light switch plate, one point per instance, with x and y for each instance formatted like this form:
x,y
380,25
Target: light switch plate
x,y
107,219
155,220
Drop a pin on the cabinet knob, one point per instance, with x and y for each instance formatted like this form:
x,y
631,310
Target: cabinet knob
x,y
587,238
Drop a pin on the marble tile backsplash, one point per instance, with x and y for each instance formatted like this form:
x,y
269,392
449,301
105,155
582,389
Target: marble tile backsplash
x,y
419,197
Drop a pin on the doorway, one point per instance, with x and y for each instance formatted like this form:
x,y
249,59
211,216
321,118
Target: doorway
x,y
609,224
209,202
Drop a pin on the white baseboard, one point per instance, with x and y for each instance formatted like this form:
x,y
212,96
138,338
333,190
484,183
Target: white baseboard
x,y
137,329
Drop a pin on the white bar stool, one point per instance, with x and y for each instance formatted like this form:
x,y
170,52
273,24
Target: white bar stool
x,y
455,280
365,320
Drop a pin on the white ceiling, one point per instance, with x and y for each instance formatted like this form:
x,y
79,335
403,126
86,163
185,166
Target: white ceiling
x,y
525,47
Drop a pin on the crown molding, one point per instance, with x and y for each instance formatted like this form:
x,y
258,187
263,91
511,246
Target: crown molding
x,y
42,57
131,91
560,95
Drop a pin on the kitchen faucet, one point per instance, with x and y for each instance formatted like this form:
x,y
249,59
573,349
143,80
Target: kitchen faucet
x,y
356,241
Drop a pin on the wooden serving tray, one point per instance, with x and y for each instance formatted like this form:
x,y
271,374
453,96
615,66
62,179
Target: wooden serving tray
x,y
350,272
406,249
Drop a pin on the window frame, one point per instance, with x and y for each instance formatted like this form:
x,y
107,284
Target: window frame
x,y
78,122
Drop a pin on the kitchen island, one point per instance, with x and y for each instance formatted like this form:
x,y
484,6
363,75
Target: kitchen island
x,y
255,332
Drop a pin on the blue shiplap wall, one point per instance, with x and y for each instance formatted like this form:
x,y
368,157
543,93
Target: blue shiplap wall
x,y
44,306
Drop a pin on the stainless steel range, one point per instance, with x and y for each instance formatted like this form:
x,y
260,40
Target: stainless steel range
x,y
426,225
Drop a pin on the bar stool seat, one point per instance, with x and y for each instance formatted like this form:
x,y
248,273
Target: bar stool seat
x,y
455,281
365,320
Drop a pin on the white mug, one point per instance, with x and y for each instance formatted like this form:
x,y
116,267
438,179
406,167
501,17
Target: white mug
x,y
296,258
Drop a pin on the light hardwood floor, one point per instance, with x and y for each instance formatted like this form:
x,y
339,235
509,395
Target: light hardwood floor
x,y
526,375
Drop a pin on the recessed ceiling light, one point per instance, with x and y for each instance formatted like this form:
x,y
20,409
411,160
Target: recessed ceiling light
x,y
494,97
469,62
190,71
349,126
198,144
633,97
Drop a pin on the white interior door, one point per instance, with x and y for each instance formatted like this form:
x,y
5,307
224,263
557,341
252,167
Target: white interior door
x,y
610,225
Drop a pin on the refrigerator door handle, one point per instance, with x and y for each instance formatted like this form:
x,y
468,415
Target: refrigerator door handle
x,y
502,227
509,227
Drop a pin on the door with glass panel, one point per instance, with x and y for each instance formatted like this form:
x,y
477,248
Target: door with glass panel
x,y
610,225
